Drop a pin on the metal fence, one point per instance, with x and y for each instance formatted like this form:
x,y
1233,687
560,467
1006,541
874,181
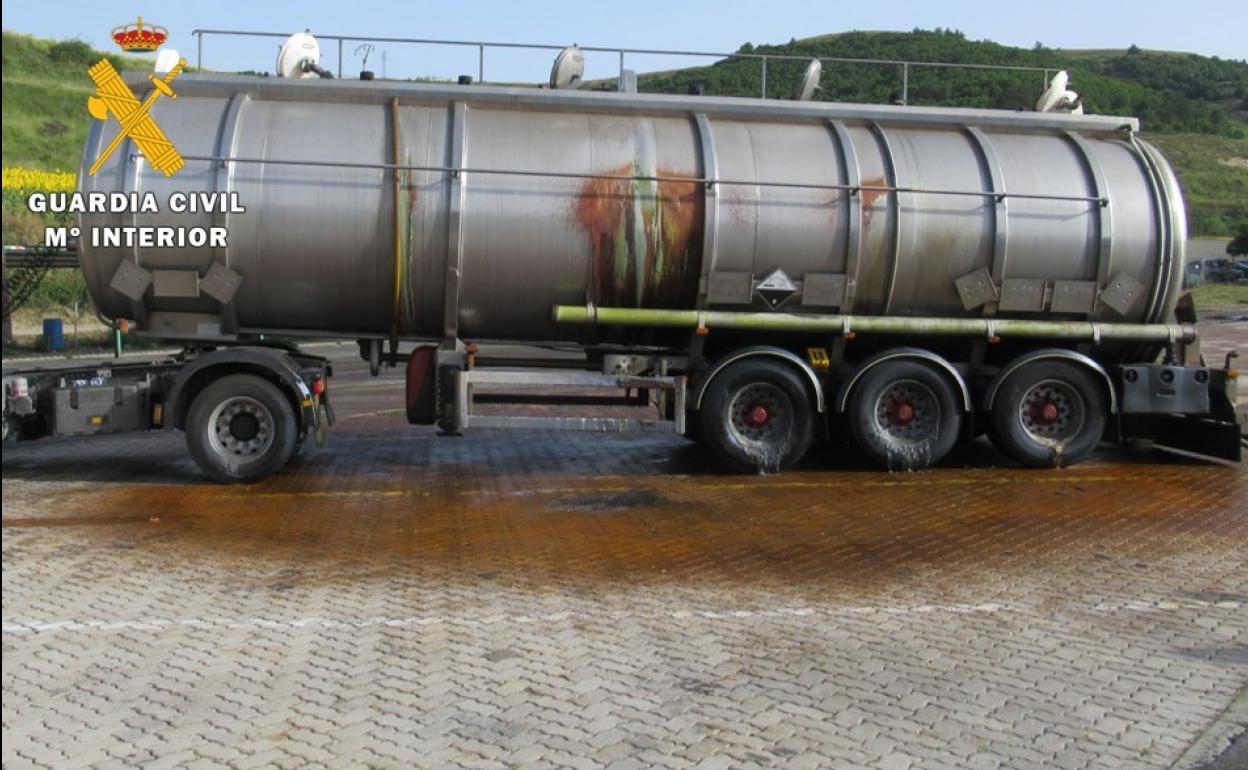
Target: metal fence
x,y
904,67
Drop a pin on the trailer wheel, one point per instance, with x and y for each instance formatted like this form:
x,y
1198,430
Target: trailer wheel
x,y
904,415
756,416
1048,414
241,429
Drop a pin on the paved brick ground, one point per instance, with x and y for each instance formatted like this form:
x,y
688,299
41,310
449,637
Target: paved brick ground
x,y
516,599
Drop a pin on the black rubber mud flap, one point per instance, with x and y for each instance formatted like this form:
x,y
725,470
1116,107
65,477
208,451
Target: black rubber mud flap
x,y
1219,435
422,397
1201,436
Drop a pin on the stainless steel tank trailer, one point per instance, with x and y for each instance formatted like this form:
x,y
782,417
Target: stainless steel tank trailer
x,y
765,273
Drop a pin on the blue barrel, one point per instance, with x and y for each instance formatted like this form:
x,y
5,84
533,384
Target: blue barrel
x,y
53,334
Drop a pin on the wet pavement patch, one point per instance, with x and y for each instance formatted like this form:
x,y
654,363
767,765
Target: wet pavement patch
x,y
610,501
810,530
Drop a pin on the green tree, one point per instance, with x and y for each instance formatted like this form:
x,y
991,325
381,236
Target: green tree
x,y
1238,246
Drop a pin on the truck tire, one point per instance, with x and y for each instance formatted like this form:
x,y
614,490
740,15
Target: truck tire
x,y
756,417
904,415
241,429
1048,414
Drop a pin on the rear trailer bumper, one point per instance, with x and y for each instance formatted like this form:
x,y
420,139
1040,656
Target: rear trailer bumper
x,y
1188,434
1189,409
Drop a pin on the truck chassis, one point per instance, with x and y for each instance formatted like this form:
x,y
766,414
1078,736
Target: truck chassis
x,y
757,401
245,409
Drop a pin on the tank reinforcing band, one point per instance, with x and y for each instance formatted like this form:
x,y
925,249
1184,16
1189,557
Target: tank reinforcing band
x,y
1176,232
894,190
710,224
988,328
1160,203
224,183
1104,222
710,205
131,184
455,225
1000,211
853,230
395,156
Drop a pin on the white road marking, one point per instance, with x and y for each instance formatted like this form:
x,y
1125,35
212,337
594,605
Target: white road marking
x,y
160,624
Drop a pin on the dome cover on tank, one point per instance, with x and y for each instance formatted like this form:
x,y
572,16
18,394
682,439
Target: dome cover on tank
x,y
297,56
568,69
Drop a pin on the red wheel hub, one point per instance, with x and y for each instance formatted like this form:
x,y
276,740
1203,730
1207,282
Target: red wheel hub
x,y
758,415
901,413
1044,412
905,413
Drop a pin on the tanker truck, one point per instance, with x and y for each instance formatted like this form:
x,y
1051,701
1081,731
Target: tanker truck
x,y
760,274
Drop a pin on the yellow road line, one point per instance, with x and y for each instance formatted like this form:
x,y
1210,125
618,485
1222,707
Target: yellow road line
x,y
741,485
710,487
328,493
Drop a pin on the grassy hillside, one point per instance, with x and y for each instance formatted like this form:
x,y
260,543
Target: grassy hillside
x,y
45,99
1214,173
1194,107
1168,92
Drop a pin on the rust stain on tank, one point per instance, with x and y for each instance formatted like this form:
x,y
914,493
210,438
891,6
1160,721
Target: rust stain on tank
x,y
645,236
833,205
869,198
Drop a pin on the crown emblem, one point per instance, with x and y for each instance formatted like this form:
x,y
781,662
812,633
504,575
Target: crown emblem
x,y
138,36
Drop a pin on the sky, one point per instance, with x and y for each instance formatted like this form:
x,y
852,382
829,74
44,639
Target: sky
x,y
1209,27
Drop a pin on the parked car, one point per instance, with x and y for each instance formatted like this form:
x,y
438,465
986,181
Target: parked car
x,y
1215,270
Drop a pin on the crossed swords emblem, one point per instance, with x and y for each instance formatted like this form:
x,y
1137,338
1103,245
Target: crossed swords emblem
x,y
112,95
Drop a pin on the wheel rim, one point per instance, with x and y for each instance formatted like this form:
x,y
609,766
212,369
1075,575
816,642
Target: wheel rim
x,y
240,428
908,411
760,413
1052,412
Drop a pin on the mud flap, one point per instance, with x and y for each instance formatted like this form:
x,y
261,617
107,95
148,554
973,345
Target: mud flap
x,y
1219,434
421,386
324,418
1192,435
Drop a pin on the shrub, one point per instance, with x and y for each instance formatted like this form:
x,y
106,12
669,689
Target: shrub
x,y
71,52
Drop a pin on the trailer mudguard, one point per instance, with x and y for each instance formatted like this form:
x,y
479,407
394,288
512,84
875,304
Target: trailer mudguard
x,y
275,364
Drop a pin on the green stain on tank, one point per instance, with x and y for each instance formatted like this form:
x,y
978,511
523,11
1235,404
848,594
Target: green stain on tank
x,y
644,227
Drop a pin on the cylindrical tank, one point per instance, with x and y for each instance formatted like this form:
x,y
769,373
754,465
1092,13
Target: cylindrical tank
x,y
513,200
53,334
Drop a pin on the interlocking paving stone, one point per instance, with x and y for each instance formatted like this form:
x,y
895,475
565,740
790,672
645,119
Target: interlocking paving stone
x,y
513,599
